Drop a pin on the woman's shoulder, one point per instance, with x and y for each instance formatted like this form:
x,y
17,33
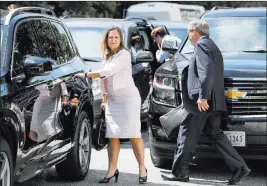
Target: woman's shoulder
x,y
124,52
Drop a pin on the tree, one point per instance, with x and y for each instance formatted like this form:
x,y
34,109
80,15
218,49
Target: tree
x,y
114,9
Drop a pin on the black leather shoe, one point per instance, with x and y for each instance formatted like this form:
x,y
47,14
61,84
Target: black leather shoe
x,y
171,177
238,174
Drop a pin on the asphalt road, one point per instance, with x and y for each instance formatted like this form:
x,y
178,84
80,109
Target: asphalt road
x,y
207,172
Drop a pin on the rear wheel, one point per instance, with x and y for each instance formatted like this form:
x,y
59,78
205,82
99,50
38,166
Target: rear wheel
x,y
6,163
76,166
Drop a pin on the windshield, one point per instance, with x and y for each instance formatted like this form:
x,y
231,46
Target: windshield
x,y
178,32
236,34
88,40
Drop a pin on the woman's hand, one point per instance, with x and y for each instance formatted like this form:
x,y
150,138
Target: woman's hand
x,y
81,75
88,74
103,105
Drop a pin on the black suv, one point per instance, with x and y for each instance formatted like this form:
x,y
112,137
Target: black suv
x,y
87,34
241,36
36,49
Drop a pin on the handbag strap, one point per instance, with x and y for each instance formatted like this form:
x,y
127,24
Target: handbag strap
x,y
102,114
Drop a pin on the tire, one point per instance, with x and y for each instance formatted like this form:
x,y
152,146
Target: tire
x,y
157,162
160,162
6,163
72,168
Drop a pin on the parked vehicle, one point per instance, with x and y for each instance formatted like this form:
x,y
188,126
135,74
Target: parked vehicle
x,y
236,32
175,28
36,49
88,33
164,11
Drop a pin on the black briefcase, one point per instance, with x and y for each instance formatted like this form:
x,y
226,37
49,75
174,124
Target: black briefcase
x,y
171,120
99,139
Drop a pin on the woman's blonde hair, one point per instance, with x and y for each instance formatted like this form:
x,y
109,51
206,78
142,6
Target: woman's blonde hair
x,y
105,48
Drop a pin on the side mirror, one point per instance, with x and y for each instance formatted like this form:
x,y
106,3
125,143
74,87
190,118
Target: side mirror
x,y
37,66
144,57
170,44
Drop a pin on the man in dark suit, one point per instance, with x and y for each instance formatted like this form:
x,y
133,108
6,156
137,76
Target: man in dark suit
x,y
203,97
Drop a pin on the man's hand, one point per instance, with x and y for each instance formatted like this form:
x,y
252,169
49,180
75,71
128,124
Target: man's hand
x,y
202,105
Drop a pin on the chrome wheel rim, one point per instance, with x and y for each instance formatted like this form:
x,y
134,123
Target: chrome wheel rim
x,y
4,169
84,145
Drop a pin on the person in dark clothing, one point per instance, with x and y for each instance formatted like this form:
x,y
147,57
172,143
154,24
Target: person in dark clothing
x,y
203,97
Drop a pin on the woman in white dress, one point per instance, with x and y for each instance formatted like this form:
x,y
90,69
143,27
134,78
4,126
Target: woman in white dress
x,y
121,101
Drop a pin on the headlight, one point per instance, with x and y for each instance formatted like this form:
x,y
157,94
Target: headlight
x,y
164,89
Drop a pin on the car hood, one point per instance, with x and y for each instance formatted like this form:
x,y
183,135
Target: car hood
x,y
94,66
235,65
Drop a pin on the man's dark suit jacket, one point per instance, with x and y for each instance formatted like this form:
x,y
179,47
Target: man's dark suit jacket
x,y
204,77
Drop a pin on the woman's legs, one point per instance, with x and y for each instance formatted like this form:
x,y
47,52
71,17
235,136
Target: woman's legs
x,y
113,154
139,152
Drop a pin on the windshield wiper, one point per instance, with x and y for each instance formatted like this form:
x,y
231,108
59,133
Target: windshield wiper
x,y
90,59
255,51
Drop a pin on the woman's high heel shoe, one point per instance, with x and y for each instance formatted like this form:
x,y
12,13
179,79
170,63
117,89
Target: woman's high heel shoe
x,y
143,180
106,180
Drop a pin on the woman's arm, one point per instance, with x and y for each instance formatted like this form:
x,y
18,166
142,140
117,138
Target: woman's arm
x,y
88,74
117,64
123,59
104,98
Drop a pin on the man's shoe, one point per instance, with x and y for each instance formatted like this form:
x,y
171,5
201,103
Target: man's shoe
x,y
238,174
171,177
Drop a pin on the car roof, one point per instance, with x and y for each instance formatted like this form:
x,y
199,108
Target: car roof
x,y
99,22
94,22
170,24
22,12
159,6
236,12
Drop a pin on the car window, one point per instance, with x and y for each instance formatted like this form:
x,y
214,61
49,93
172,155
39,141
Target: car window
x,y
236,34
47,40
145,39
63,41
24,44
178,32
136,38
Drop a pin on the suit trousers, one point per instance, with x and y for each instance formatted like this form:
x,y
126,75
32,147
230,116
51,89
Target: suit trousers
x,y
189,132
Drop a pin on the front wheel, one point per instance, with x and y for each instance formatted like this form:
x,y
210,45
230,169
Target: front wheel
x,y
6,163
76,166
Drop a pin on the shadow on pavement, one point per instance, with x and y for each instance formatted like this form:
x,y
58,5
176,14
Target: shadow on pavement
x,y
49,178
217,168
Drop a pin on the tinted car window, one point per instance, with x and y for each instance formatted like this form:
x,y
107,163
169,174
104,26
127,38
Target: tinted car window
x,y
236,34
63,41
46,39
25,44
145,39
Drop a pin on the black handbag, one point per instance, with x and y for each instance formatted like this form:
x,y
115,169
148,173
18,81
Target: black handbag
x,y
100,141
171,120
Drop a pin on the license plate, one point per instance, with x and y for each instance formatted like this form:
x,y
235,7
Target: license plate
x,y
237,138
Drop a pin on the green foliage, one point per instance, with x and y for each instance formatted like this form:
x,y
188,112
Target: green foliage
x,y
115,8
